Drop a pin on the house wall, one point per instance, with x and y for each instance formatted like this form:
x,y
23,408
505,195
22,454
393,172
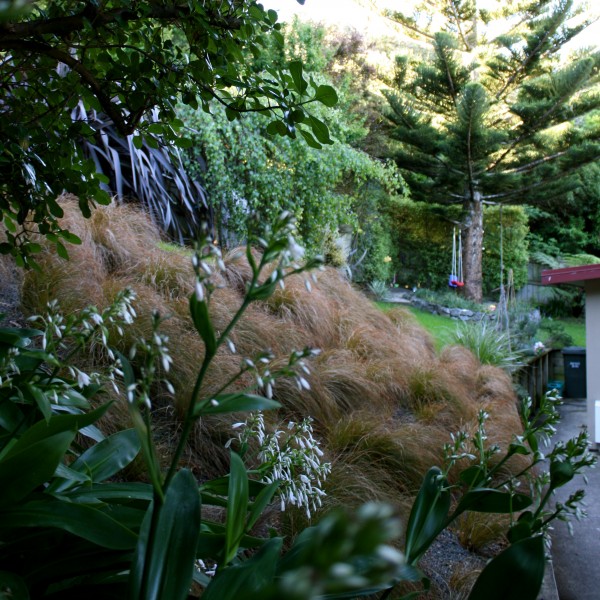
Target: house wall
x,y
592,336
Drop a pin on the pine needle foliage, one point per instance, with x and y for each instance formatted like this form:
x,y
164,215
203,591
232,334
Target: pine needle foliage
x,y
492,111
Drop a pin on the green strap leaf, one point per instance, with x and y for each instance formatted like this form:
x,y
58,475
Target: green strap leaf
x,y
105,459
27,466
164,559
428,516
227,403
110,456
249,578
203,324
260,504
492,501
515,573
59,424
113,491
237,507
82,520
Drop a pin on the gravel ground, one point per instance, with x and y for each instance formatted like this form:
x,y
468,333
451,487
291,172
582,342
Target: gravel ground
x,y
447,564
10,300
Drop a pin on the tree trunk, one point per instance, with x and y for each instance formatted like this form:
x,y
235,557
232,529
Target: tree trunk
x,y
472,236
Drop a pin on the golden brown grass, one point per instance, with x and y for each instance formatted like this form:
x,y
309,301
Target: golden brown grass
x,y
383,402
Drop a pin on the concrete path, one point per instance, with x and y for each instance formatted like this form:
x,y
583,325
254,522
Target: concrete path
x,y
576,557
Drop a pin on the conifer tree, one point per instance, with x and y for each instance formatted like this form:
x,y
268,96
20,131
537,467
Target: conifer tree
x,y
493,111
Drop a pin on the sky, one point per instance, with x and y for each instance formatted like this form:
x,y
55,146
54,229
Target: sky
x,y
354,13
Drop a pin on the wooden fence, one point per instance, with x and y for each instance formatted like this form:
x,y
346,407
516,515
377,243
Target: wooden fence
x,y
534,375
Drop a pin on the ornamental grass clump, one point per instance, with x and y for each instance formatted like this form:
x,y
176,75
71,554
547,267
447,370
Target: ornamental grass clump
x,y
490,346
381,365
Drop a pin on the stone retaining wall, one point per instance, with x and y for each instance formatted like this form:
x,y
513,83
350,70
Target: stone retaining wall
x,y
459,314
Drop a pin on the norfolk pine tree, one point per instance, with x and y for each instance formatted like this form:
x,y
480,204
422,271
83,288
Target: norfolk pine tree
x,y
492,112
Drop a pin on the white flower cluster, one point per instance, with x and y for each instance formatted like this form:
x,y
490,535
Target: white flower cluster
x,y
206,259
291,456
279,244
89,327
155,352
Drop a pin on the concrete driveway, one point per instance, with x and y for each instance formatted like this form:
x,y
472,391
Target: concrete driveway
x,y
576,557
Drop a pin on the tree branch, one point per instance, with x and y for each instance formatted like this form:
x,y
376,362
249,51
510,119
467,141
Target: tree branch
x,y
110,108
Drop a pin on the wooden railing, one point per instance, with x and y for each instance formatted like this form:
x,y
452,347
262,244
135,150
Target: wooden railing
x,y
534,375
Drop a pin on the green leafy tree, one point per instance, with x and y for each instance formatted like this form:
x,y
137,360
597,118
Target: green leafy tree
x,y
124,59
246,170
489,113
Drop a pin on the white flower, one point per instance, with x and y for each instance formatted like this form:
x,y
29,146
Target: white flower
x,y
199,291
296,251
83,379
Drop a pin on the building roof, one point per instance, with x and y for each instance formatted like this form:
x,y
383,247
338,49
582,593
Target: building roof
x,y
571,274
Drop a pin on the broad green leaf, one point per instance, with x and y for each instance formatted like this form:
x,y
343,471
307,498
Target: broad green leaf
x,y
517,572
60,424
296,72
326,95
124,491
237,507
247,579
492,501
84,521
276,128
428,516
62,251
28,466
472,475
105,459
226,403
320,130
41,399
203,324
560,473
164,561
183,142
110,456
260,504
310,139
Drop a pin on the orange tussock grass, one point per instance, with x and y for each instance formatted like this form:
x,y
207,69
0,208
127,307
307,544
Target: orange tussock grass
x,y
383,402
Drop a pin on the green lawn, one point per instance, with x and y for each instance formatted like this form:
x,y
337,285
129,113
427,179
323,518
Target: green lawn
x,y
440,327
574,327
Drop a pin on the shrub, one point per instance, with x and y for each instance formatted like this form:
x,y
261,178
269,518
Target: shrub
x,y
488,345
379,289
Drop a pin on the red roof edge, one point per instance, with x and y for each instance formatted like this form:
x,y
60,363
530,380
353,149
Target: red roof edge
x,y
571,274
